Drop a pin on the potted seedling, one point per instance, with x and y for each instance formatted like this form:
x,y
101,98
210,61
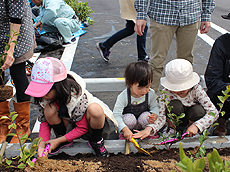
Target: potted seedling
x,y
6,92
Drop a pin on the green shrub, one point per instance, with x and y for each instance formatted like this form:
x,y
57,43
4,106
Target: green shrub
x,y
81,9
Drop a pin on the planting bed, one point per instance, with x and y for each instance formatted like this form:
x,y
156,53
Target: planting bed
x,y
161,161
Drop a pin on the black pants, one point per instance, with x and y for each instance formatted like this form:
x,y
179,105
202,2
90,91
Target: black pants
x,y
18,74
127,31
192,113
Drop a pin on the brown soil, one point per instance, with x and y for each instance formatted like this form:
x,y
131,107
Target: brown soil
x,y
161,161
6,92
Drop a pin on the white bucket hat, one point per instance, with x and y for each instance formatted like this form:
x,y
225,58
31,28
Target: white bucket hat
x,y
179,75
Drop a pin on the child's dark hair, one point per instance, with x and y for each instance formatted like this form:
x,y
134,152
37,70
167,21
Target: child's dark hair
x,y
63,91
138,72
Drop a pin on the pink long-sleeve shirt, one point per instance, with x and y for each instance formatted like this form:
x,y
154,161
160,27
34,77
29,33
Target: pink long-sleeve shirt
x,y
80,129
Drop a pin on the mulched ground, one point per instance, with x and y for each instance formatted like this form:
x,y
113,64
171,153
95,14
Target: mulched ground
x,y
160,161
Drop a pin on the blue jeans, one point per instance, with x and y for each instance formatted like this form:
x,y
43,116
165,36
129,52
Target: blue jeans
x,y
127,31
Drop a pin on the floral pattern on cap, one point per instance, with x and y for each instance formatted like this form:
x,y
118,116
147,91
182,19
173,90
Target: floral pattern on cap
x,y
42,71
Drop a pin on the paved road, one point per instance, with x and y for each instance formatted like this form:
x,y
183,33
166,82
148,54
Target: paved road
x,y
88,64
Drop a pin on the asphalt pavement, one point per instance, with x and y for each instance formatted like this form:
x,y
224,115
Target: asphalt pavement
x,y
88,63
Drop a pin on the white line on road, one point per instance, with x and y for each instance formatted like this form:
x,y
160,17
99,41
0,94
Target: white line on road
x,y
207,38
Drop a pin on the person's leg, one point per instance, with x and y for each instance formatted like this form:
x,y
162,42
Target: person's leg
x,y
103,47
96,119
194,113
67,27
22,106
18,74
177,109
58,125
161,38
127,31
129,120
186,40
141,44
143,119
221,129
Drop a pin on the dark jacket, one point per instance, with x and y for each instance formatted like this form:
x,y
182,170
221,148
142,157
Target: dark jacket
x,y
218,69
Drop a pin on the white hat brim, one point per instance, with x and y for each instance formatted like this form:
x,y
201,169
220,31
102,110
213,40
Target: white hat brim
x,y
181,86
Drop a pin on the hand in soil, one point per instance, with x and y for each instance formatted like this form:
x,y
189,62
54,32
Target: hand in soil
x,y
192,130
143,133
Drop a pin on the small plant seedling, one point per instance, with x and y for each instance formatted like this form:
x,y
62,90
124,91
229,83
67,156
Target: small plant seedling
x,y
175,121
25,153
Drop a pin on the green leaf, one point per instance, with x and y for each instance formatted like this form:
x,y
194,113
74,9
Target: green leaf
x,y
202,151
8,161
14,42
14,117
181,115
215,124
4,117
222,113
30,163
11,134
211,165
221,98
216,157
22,166
212,114
181,165
7,47
12,113
181,151
199,164
201,138
220,104
205,133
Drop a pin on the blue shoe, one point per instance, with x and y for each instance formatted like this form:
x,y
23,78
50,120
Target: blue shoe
x,y
104,52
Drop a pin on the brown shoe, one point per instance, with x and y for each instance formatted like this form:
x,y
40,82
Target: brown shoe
x,y
22,120
4,123
221,129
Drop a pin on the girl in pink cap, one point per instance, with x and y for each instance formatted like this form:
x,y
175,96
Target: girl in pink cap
x,y
67,107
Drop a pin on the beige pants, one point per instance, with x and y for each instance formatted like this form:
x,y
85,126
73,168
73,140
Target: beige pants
x,y
161,38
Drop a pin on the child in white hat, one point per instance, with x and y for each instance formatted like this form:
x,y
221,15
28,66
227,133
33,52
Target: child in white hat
x,y
65,103
186,96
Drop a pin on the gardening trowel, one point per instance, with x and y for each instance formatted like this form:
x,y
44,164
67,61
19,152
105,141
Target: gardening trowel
x,y
174,140
4,144
138,147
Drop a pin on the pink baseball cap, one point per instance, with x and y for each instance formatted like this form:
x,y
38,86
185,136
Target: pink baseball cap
x,y
45,72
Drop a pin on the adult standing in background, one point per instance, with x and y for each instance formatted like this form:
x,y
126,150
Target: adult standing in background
x,y
217,77
129,13
57,16
16,15
169,17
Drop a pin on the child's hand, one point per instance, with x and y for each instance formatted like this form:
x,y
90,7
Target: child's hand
x,y
152,118
192,130
55,142
143,133
127,133
41,148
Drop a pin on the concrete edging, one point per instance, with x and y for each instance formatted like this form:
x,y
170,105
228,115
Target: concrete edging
x,y
118,146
